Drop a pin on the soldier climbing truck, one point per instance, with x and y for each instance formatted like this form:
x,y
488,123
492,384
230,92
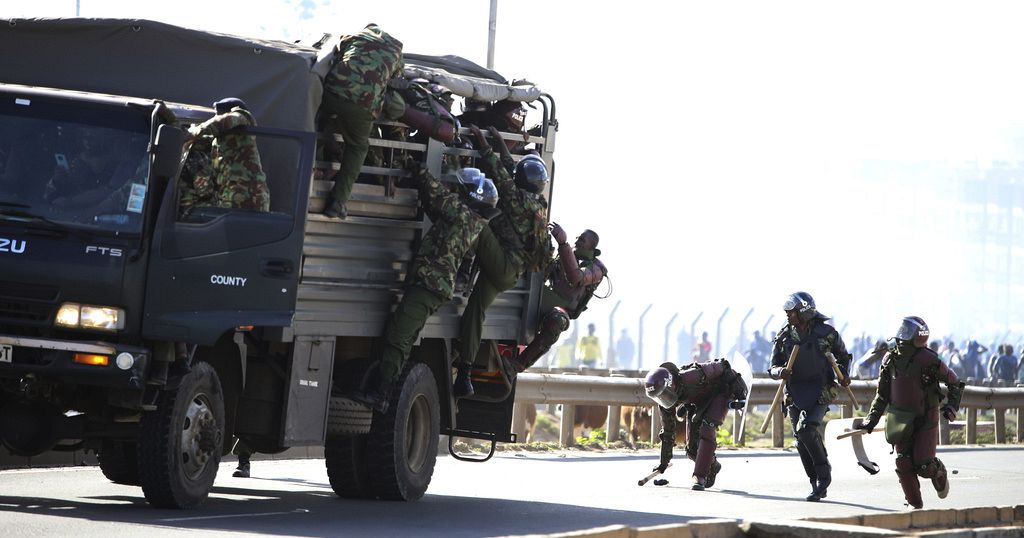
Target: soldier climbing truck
x,y
155,339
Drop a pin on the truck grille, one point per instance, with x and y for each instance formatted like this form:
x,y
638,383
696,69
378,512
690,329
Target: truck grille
x,y
27,303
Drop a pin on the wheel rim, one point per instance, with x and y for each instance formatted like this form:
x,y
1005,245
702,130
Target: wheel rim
x,y
198,436
417,434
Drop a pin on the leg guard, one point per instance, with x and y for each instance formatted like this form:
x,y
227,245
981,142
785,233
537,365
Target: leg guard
x,y
705,453
810,439
554,323
908,480
936,471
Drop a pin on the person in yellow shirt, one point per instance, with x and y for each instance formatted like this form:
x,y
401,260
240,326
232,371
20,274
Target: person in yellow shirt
x,y
589,349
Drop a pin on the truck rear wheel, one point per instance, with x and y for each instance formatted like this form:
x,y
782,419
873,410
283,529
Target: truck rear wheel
x,y
119,462
402,445
180,442
345,457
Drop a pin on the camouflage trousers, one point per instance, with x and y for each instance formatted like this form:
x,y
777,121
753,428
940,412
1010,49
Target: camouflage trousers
x,y
403,327
497,274
354,123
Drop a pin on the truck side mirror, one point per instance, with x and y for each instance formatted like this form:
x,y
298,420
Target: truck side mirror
x,y
167,151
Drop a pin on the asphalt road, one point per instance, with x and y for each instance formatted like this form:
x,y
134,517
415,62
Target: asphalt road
x,y
510,495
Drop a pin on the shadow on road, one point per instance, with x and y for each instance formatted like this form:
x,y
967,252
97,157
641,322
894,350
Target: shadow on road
x,y
318,512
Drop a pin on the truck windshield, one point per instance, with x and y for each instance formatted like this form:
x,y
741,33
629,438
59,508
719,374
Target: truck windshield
x,y
74,166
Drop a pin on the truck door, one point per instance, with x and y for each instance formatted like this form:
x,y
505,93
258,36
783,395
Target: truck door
x,y
213,269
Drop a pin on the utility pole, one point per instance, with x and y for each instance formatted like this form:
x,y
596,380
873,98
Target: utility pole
x,y
492,27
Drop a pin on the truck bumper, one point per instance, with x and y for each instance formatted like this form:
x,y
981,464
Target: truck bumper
x,y
55,359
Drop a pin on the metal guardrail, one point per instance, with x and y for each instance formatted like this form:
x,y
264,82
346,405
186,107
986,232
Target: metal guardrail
x,y
614,392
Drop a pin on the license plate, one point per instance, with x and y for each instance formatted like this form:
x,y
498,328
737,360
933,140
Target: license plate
x,y
5,353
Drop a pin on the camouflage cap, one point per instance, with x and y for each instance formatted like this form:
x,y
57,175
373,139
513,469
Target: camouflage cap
x,y
225,105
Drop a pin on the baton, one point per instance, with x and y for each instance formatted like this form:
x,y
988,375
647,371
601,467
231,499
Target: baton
x,y
778,394
841,378
851,433
648,478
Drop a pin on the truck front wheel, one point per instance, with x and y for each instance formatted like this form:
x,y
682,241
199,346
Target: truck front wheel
x,y
180,442
402,444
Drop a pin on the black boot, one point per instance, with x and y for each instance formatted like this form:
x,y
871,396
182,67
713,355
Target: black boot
x,y
463,386
243,468
375,397
335,209
820,489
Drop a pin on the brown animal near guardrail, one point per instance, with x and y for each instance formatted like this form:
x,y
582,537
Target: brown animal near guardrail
x,y
588,418
637,423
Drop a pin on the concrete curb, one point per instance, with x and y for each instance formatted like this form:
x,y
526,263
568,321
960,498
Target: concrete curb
x,y
918,523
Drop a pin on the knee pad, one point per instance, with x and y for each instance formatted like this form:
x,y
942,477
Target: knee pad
x,y
931,468
556,321
904,465
708,430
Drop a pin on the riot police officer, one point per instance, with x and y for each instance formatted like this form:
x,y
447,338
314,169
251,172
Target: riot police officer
x,y
811,384
701,394
908,393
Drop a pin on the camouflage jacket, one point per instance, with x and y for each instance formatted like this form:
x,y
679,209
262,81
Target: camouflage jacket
x,y
453,233
232,176
362,67
522,226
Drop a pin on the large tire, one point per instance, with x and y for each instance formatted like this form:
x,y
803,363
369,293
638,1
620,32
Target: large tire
x,y
119,462
402,445
347,417
345,457
180,443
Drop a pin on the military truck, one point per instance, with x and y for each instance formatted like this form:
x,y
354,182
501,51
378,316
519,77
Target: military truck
x,y
156,340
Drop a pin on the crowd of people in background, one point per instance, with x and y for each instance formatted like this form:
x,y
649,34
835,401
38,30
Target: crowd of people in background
x,y
970,360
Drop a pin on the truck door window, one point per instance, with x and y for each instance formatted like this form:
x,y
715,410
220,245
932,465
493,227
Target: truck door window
x,y
216,178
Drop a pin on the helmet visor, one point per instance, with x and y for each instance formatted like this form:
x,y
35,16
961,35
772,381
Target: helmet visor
x,y
658,386
909,329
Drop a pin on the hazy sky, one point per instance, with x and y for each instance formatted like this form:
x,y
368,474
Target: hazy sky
x,y
715,146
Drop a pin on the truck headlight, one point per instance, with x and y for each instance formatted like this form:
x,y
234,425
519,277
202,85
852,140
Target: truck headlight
x,y
83,316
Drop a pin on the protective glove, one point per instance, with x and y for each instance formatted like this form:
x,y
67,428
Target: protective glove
x,y
557,233
949,413
667,444
781,372
499,142
481,141
845,382
737,404
869,425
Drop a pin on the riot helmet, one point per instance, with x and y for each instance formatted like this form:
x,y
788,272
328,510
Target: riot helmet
x,y
531,174
913,329
658,386
481,194
803,303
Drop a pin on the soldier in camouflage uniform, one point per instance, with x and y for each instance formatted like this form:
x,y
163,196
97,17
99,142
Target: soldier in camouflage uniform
x,y
353,98
223,165
515,242
456,224
811,384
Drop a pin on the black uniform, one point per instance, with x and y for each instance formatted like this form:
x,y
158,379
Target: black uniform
x,y
810,390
